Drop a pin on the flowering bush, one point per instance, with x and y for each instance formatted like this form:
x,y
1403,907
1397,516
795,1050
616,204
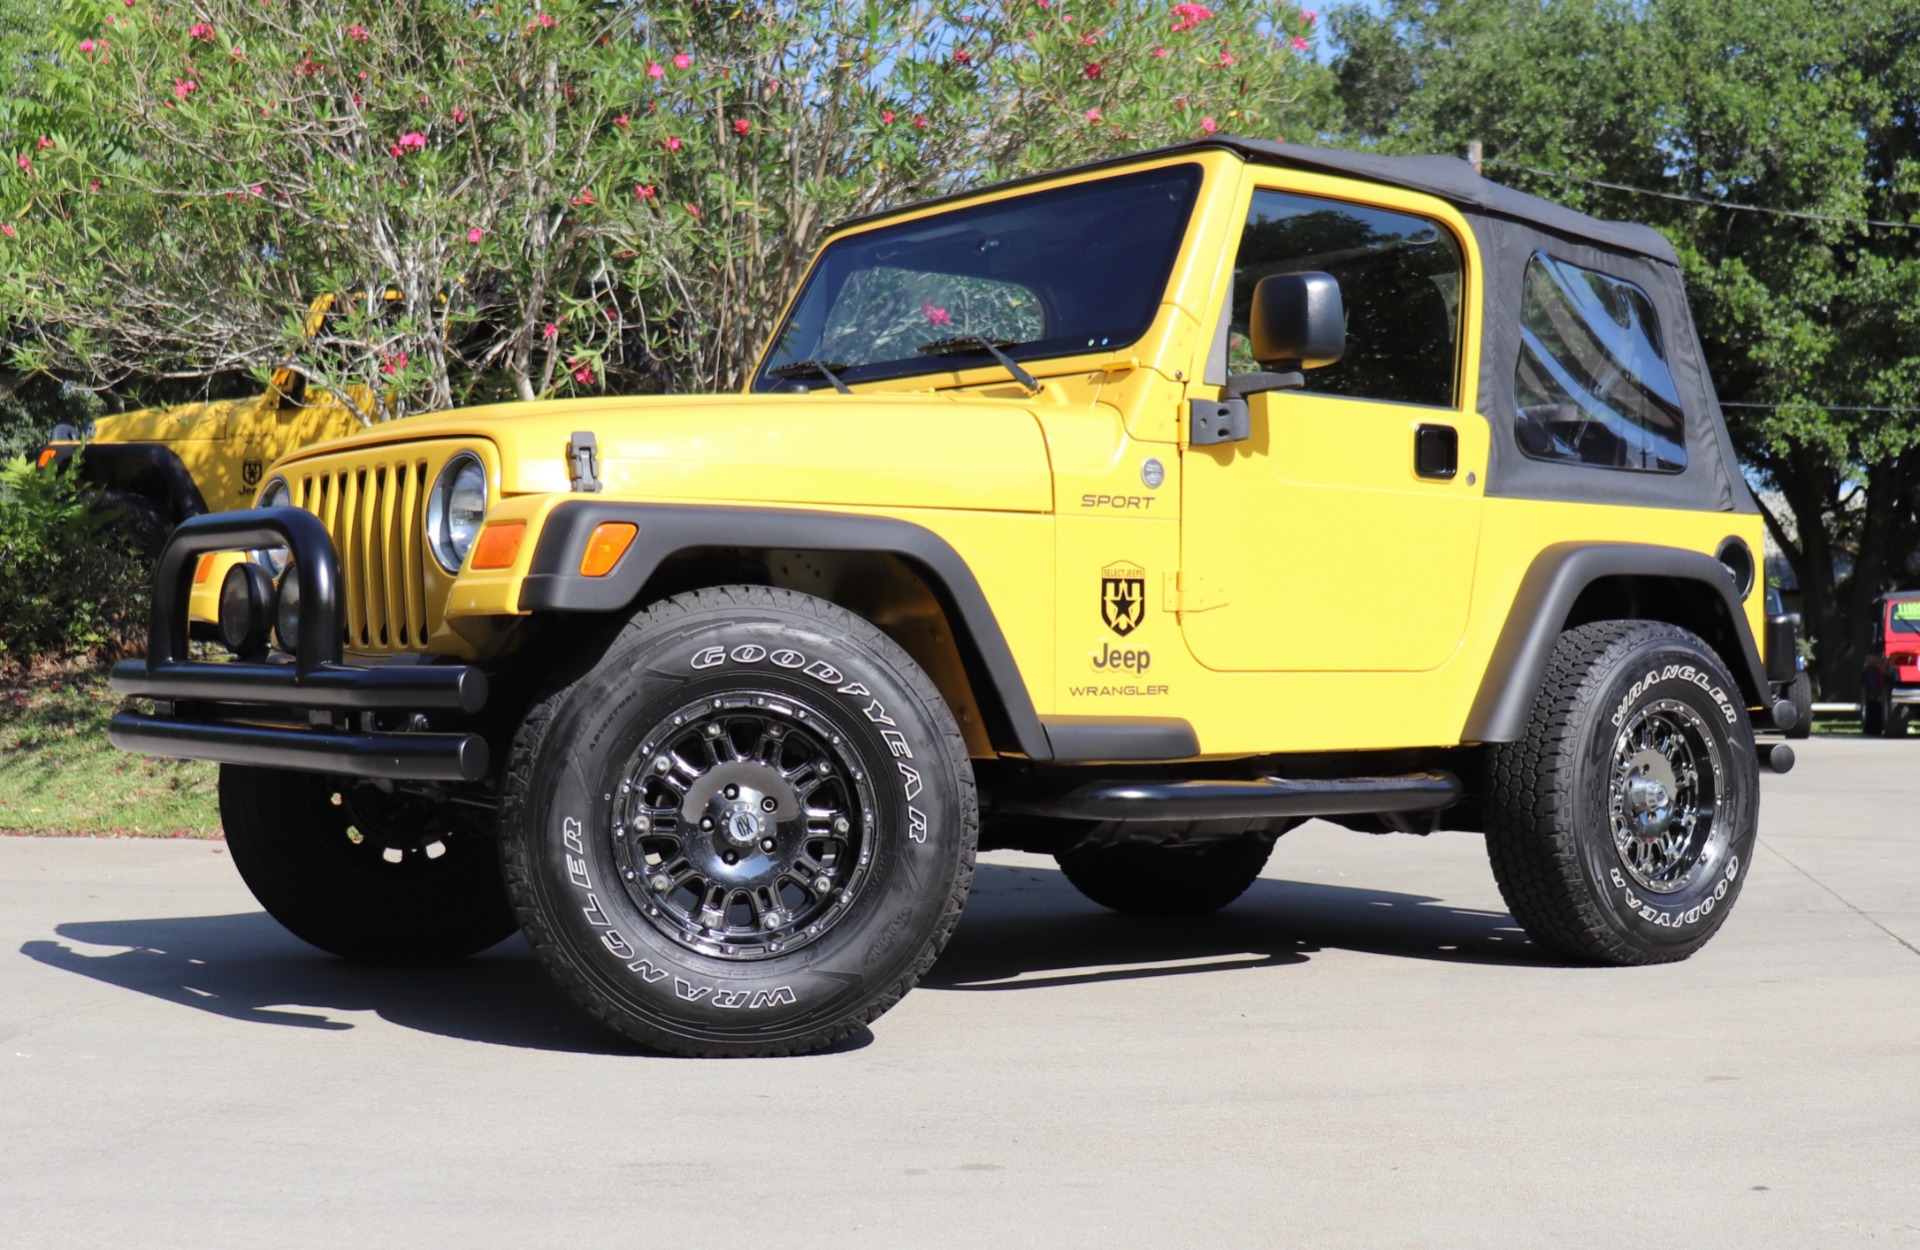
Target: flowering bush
x,y
520,199
69,589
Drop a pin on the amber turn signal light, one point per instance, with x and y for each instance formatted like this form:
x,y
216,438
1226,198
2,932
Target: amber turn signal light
x,y
46,457
498,545
204,569
608,543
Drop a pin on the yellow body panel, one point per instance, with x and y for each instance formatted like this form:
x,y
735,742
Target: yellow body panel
x,y
1300,591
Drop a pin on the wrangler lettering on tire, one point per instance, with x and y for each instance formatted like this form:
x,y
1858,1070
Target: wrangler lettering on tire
x,y
747,829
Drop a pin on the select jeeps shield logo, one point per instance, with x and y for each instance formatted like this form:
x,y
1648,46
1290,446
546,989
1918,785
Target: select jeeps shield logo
x,y
1123,597
250,471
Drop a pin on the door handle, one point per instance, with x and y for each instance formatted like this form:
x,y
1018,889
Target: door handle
x,y
1436,452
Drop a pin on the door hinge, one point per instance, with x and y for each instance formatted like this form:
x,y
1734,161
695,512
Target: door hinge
x,y
1214,421
1188,591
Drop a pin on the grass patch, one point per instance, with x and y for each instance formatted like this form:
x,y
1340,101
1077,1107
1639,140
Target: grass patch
x,y
59,775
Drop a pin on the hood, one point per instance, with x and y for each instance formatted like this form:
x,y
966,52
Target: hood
x,y
918,451
178,423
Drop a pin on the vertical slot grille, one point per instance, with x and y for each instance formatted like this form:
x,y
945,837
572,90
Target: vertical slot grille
x,y
372,512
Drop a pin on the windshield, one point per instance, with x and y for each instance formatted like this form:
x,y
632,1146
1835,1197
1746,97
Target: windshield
x,y
1903,617
1053,273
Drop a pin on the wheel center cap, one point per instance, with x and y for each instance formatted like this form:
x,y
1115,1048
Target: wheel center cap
x,y
741,826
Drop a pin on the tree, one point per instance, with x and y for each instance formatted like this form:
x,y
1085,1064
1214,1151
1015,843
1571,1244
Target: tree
x,y
520,200
1811,323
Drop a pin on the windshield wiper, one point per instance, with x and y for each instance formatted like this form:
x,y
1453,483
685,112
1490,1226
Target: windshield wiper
x,y
961,344
827,369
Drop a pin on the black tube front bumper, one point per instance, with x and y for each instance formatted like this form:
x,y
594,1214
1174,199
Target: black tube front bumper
x,y
313,713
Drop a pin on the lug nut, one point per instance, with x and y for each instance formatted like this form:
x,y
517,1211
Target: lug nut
x,y
706,822
733,792
661,764
767,844
660,883
840,824
773,920
823,883
641,824
769,804
730,858
713,731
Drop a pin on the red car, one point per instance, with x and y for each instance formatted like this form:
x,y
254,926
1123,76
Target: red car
x,y
1890,684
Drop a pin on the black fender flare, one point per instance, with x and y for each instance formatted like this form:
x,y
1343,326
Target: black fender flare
x,y
1540,611
111,465
554,583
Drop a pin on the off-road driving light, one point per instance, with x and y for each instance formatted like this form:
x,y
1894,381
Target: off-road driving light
x,y
608,543
276,495
286,617
455,510
246,609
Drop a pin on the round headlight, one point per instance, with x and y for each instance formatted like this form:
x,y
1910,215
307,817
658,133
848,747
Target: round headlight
x,y
246,610
455,510
286,616
276,495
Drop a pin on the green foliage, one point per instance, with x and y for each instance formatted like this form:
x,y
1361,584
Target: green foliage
x,y
1807,323
564,196
69,589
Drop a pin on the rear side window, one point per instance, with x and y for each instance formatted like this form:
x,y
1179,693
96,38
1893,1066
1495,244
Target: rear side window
x,y
1593,385
1399,280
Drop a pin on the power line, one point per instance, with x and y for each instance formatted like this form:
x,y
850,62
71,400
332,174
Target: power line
x,y
1695,199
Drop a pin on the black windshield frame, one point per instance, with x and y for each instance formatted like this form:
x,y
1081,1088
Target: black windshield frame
x,y
1146,276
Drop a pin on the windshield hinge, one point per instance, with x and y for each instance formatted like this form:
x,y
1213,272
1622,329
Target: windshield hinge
x,y
1189,591
1211,421
583,462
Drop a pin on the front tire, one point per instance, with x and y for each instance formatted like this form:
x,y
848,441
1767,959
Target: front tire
x,y
1621,826
368,875
748,829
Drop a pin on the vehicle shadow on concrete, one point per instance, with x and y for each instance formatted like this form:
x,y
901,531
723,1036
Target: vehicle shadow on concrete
x,y
246,967
1027,928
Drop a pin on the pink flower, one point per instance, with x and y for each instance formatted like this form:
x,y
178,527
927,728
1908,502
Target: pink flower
x,y
1226,58
1299,44
1095,69
184,87
394,363
1188,16
1161,53
93,185
357,31
741,125
476,234
621,121
88,45
671,143
681,60
24,161
1093,115
550,331
257,189
919,121
8,231
43,143
200,30
412,141
583,375
962,57
1308,16
583,199
694,211
543,20
886,117
1208,125
1046,4
459,117
937,315
642,192
656,70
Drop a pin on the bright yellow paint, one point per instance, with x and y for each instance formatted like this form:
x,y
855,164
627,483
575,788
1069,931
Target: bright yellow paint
x,y
1299,591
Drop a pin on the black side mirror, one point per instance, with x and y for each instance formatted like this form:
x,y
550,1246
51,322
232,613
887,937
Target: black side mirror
x,y
1298,322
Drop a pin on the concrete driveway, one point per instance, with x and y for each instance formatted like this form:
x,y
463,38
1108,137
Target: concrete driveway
x,y
1363,1052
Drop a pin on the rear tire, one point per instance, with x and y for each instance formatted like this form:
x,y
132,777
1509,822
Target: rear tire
x,y
362,874
1623,822
1178,878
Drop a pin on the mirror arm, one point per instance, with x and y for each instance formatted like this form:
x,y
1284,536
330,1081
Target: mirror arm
x,y
1227,420
1241,385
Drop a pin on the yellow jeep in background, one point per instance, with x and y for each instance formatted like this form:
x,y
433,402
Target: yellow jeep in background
x,y
1130,514
159,466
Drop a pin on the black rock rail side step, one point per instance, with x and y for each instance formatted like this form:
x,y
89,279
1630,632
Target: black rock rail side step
x,y
1239,800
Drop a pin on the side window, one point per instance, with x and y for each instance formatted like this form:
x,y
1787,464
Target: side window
x,y
1399,279
886,314
1593,385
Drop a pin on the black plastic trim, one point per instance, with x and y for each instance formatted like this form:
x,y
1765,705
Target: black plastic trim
x,y
1783,647
394,757
1101,738
554,583
1546,598
99,462
1241,800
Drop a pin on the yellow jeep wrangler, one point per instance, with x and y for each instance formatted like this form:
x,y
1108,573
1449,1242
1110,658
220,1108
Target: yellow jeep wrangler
x,y
1130,514
157,467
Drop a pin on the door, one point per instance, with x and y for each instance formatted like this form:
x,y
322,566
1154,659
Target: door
x,y
1342,535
